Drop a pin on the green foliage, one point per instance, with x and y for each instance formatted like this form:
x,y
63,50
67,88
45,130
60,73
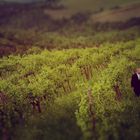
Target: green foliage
x,y
112,98
51,36
89,87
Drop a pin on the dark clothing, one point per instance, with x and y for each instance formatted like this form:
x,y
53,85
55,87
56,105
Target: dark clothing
x,y
135,83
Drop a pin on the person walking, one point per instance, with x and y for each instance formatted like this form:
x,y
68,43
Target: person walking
x,y
135,82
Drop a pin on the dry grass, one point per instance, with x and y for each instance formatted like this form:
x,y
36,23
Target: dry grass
x,y
122,14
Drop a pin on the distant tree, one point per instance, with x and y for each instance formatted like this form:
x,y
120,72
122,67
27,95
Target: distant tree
x,y
51,2
115,7
80,17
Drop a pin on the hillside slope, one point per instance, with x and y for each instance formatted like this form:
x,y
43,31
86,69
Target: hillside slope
x,y
114,13
119,14
94,5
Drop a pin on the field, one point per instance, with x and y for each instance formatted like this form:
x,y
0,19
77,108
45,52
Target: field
x,y
48,94
101,12
93,5
68,79
119,14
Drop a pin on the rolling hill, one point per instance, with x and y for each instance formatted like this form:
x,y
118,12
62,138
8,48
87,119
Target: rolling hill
x,y
101,11
94,5
25,25
115,12
122,13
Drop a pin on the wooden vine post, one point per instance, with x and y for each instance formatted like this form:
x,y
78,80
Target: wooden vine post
x,y
91,112
118,92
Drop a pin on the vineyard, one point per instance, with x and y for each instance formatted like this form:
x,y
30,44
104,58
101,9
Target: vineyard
x,y
70,94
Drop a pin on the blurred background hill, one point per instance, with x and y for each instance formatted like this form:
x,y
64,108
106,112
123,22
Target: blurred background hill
x,y
43,23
